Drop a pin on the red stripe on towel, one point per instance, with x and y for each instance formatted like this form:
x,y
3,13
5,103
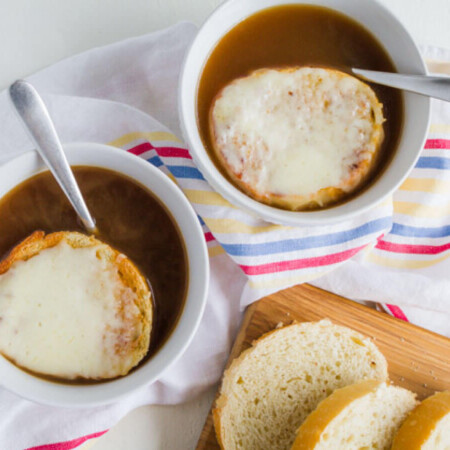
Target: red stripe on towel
x,y
412,249
397,312
301,263
173,152
68,445
209,237
141,148
168,152
437,143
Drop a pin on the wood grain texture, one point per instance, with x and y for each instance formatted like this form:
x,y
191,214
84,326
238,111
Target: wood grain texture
x,y
418,359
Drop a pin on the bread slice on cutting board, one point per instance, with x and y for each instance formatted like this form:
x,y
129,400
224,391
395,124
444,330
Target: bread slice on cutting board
x,y
427,427
270,389
365,415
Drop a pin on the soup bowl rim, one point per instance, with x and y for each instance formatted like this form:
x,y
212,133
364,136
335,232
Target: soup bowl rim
x,y
412,136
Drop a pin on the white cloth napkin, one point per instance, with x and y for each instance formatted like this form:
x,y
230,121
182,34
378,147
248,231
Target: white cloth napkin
x,y
96,97
131,87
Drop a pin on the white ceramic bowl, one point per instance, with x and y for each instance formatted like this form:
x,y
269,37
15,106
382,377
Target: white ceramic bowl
x,y
406,57
42,391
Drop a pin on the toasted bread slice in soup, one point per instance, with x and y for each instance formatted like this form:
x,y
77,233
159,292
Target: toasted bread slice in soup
x,y
72,307
297,138
364,415
269,390
427,427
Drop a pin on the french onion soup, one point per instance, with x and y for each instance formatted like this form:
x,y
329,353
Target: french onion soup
x,y
284,121
75,308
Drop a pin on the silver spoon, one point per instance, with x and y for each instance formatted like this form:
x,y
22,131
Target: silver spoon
x,y
437,87
36,120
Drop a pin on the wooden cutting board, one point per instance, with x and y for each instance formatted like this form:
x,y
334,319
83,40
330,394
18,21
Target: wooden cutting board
x,y
418,359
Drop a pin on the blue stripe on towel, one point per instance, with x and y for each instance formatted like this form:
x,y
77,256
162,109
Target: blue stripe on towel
x,y
156,161
431,232
291,245
186,172
433,162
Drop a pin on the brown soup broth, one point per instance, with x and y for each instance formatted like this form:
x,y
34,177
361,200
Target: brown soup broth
x,y
299,35
129,219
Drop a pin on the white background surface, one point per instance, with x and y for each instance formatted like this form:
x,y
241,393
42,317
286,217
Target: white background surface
x,y
36,33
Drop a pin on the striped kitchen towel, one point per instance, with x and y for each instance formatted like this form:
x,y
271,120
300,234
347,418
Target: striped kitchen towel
x,y
395,254
398,250
271,256
407,270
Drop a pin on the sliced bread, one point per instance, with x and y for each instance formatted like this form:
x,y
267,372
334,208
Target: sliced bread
x,y
365,415
269,390
427,427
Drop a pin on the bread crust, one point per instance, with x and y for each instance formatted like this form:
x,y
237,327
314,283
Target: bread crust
x,y
325,196
312,430
128,273
308,435
419,425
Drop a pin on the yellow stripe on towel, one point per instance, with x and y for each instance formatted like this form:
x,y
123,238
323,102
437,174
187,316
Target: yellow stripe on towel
x,y
150,136
235,226
439,128
207,198
216,250
438,66
402,263
89,444
171,177
433,185
287,281
421,210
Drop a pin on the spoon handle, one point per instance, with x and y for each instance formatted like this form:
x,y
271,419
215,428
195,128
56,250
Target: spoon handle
x,y
437,87
34,114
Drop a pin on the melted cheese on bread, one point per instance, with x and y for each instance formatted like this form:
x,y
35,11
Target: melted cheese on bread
x,y
298,137
73,307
